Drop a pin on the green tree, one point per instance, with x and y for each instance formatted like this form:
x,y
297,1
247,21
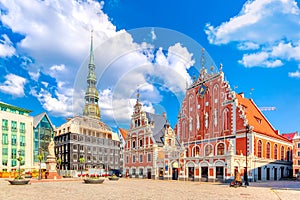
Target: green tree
x,y
81,160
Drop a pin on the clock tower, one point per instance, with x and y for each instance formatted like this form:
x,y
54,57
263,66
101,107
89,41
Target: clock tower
x,y
91,107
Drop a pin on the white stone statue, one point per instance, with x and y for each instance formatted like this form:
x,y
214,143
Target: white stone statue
x,y
51,148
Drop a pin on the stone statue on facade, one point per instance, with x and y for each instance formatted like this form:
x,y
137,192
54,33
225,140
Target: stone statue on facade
x,y
51,148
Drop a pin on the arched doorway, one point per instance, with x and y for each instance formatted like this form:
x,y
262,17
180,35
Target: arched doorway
x,y
204,172
191,171
175,170
219,171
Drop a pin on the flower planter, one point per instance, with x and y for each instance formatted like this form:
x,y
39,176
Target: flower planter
x,y
18,182
94,181
113,178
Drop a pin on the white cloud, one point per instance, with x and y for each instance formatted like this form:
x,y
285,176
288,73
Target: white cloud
x,y
6,47
57,31
58,103
13,85
248,46
267,27
261,59
295,74
57,38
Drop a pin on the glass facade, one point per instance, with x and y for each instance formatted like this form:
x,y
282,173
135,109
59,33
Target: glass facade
x,y
43,133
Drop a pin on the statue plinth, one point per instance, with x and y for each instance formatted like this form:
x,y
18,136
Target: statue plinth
x,y
51,172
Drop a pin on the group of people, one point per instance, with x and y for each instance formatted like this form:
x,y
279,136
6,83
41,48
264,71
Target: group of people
x,y
238,179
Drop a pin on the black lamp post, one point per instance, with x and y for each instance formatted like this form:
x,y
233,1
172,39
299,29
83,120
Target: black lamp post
x,y
246,173
19,159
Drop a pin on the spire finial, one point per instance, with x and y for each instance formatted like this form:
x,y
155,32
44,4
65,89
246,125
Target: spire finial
x,y
138,95
92,49
203,58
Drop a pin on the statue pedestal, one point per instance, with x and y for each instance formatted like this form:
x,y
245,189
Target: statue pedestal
x,y
51,172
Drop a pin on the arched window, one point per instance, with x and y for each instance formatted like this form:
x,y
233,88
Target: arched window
x,y
226,120
208,150
288,154
268,150
196,151
184,132
282,153
187,152
259,149
220,149
275,152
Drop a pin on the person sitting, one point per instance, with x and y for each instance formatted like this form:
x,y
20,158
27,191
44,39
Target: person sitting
x,y
238,179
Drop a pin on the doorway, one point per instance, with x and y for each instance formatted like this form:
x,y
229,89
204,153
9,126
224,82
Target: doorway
x,y
275,174
149,173
174,173
259,173
204,174
219,174
268,173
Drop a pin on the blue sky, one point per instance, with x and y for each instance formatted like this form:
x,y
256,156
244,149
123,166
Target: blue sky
x,y
154,46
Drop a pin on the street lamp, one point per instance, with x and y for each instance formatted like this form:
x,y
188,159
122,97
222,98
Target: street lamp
x,y
246,173
19,159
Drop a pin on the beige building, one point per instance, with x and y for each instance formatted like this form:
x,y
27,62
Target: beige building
x,y
16,137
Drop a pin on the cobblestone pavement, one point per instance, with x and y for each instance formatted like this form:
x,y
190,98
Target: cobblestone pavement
x,y
147,189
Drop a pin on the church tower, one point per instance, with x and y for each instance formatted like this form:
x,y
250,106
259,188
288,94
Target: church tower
x,y
91,107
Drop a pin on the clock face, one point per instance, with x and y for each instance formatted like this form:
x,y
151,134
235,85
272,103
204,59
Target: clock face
x,y
202,90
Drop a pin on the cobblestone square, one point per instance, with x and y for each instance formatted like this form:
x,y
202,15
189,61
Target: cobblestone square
x,y
147,189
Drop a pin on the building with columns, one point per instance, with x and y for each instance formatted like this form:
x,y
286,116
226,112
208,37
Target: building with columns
x,y
152,149
87,136
224,132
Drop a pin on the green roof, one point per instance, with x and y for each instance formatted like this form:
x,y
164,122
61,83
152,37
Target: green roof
x,y
11,107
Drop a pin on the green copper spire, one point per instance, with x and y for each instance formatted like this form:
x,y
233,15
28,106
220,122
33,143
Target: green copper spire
x,y
91,108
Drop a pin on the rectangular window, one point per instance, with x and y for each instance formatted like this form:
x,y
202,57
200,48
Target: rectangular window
x,y
299,145
4,162
133,158
14,126
13,153
298,153
13,139
149,157
4,124
127,159
22,127
298,162
22,141
13,163
141,158
4,151
4,138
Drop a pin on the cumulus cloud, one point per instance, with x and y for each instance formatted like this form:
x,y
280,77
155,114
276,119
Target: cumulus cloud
x,y
56,36
58,103
269,28
13,85
6,47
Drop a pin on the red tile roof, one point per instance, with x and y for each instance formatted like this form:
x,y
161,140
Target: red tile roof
x,y
290,136
256,119
123,132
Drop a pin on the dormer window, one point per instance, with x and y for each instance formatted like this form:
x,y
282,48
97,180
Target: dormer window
x,y
258,120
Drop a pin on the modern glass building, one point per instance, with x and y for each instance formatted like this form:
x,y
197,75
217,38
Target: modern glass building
x,y
43,132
